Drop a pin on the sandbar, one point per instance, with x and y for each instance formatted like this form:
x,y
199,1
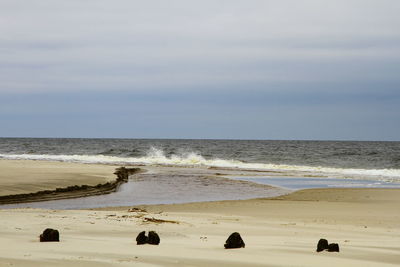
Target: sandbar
x,y
28,176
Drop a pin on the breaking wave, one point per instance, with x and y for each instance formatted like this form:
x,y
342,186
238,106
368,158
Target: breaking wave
x,y
191,159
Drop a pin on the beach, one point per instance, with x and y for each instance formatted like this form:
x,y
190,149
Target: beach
x,y
27,176
280,231
237,133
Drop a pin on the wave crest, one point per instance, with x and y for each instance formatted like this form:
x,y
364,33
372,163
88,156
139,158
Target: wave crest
x,y
156,156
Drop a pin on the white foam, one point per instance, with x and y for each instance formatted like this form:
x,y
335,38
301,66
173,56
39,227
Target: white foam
x,y
157,157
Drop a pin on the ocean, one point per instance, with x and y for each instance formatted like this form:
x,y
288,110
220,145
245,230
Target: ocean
x,y
288,165
380,160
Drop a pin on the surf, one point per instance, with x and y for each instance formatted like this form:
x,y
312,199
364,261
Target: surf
x,y
156,156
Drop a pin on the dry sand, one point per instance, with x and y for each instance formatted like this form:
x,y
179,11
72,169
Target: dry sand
x,y
278,232
27,176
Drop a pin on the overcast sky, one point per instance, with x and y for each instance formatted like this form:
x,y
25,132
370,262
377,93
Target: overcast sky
x,y
314,69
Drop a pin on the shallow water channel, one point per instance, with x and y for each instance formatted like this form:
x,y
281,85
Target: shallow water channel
x,y
166,186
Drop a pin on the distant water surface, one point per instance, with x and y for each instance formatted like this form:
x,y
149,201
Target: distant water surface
x,y
380,160
288,164
298,183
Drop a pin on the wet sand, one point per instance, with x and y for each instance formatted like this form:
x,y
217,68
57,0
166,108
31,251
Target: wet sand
x,y
152,185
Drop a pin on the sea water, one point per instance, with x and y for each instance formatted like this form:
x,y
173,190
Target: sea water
x,y
297,165
342,159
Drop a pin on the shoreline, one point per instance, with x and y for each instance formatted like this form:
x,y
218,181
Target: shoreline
x,y
88,187
156,184
26,181
74,191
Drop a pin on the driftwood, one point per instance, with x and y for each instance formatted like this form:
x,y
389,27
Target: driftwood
x,y
154,220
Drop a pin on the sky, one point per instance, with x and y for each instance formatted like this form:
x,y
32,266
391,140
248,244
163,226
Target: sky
x,y
286,70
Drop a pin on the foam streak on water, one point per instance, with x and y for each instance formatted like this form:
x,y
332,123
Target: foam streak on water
x,y
156,156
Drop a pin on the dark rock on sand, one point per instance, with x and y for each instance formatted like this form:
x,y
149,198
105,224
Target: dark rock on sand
x,y
154,239
141,238
50,235
322,245
333,247
234,241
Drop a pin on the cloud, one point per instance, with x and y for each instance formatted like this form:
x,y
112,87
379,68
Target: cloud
x,y
183,45
289,69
